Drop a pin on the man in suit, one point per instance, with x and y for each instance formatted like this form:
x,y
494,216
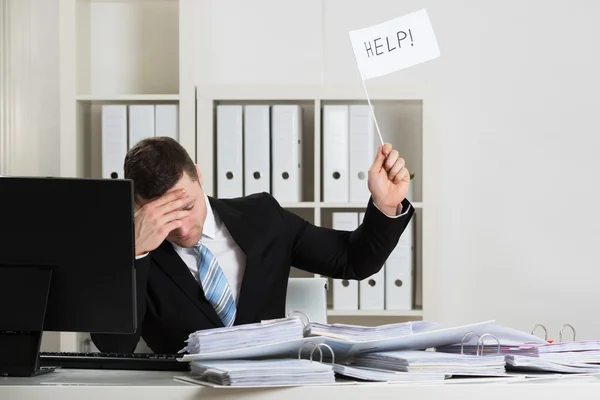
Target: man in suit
x,y
204,262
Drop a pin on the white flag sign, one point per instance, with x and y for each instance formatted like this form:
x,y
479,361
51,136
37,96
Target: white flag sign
x,y
394,45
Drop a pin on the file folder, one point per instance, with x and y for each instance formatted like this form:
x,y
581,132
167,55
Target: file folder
x,y
286,137
372,290
345,292
399,269
229,151
335,153
141,123
114,140
362,154
257,149
167,120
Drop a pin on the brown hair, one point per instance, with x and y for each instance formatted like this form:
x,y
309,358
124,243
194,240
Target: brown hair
x,y
156,164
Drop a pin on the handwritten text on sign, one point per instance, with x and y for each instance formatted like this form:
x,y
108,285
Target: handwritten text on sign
x,y
394,45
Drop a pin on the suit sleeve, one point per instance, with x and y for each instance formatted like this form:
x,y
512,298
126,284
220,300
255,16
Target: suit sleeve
x,y
347,255
126,343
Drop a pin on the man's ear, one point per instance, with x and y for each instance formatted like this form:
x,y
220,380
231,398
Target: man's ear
x,y
200,178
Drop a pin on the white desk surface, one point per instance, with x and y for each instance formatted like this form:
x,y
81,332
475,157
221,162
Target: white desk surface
x,y
116,385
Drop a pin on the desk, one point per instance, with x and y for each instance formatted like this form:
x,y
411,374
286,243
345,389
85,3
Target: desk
x,y
121,385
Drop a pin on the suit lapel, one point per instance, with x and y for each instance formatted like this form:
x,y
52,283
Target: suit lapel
x,y
245,235
170,262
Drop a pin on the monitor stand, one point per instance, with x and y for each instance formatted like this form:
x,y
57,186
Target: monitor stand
x,y
24,293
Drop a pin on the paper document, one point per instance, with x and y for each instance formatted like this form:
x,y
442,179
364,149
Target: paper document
x,y
285,348
380,375
287,371
369,333
528,363
244,336
434,362
417,341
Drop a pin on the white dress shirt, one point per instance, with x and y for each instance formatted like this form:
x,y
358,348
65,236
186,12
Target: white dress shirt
x,y
216,237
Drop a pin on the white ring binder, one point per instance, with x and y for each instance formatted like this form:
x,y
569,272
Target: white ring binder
x,y
306,324
462,342
318,346
561,331
543,327
311,353
480,342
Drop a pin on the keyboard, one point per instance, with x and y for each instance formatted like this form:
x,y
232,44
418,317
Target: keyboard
x,y
130,361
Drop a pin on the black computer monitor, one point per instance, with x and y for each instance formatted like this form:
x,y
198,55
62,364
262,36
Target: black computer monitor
x,y
66,263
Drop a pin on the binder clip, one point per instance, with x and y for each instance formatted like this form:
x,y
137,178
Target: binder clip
x,y
561,332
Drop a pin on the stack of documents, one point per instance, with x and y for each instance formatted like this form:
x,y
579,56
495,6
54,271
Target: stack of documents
x,y
433,362
528,363
584,345
285,371
244,336
368,333
380,375
495,339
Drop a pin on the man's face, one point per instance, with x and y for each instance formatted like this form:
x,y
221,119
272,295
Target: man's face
x,y
189,233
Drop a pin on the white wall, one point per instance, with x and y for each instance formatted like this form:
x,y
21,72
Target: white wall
x,y
29,125
511,138
30,121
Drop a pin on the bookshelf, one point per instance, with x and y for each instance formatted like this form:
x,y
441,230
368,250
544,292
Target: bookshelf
x,y
121,52
400,117
144,52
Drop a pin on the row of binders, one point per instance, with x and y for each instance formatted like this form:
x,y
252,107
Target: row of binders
x,y
125,125
392,288
259,148
293,351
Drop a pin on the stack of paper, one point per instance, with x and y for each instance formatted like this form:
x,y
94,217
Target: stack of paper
x,y
569,357
496,339
584,345
527,363
244,336
422,338
434,362
285,371
367,333
380,375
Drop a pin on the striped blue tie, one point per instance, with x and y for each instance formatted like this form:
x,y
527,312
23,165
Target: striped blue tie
x,y
215,285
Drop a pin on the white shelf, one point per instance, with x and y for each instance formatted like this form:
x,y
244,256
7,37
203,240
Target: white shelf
x,y
129,97
304,204
375,313
336,93
357,205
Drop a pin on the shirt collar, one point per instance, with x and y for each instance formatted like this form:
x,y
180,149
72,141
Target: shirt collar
x,y
210,223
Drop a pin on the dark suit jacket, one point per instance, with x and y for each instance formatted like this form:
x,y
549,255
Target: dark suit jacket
x,y
171,303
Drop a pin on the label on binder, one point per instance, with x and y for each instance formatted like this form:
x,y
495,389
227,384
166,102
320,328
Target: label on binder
x,y
394,45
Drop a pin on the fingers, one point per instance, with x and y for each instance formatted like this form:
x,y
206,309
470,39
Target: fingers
x,y
403,175
391,160
396,166
174,205
382,153
165,229
168,198
172,216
